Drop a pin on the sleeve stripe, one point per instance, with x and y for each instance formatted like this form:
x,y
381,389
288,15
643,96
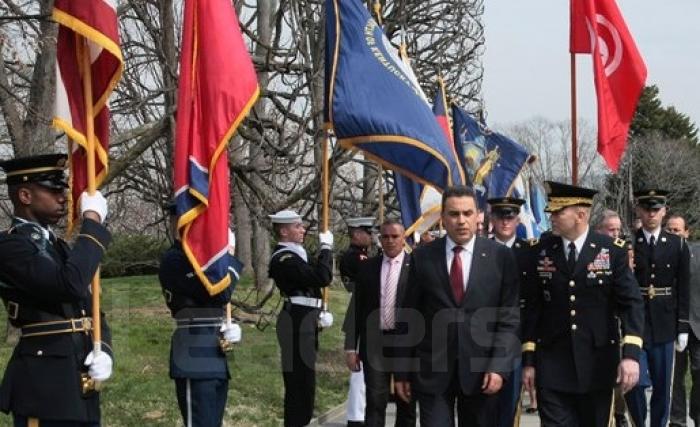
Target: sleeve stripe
x,y
632,340
528,346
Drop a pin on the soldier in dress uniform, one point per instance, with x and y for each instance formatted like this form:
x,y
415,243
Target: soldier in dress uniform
x,y
300,280
360,231
662,268
571,348
202,336
45,286
504,219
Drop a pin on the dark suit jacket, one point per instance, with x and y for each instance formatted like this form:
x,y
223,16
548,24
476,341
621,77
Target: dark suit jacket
x,y
364,313
666,316
445,340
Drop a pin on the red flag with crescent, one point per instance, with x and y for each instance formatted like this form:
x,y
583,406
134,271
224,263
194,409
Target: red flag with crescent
x,y
89,64
598,28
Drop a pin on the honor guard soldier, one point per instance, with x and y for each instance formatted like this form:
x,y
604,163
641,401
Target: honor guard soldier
x,y
360,231
300,280
661,263
571,348
45,286
202,334
505,219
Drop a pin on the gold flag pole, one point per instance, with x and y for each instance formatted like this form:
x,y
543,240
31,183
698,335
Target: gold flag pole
x,y
325,199
84,55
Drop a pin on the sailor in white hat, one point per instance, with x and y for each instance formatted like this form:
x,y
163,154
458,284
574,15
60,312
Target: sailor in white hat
x,y
300,280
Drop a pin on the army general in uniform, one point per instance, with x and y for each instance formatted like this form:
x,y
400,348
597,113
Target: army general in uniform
x,y
571,348
300,280
45,286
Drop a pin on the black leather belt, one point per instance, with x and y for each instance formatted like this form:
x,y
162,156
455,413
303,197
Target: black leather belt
x,y
68,326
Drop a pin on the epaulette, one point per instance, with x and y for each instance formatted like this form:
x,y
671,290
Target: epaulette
x,y
533,241
619,242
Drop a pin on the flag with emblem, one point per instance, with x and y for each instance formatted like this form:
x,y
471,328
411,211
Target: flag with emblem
x,y
598,28
217,88
89,64
493,160
373,102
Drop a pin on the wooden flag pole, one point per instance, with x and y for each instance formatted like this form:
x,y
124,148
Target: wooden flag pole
x,y
325,199
574,130
90,136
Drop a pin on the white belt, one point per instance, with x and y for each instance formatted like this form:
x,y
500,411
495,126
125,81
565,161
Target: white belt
x,y
306,301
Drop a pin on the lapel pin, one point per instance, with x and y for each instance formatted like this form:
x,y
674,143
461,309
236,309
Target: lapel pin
x,y
640,240
663,239
593,245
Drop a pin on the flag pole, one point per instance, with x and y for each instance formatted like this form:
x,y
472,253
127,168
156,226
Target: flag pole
x,y
574,130
324,197
380,192
90,136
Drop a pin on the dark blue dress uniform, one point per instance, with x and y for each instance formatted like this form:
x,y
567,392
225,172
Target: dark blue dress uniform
x,y
349,265
42,281
45,286
570,331
300,284
197,363
662,271
509,396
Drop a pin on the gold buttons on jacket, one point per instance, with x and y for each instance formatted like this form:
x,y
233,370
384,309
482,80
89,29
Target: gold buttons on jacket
x,y
572,298
573,313
572,283
573,327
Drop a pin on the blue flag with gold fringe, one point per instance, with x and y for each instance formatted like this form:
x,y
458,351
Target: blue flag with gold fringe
x,y
374,103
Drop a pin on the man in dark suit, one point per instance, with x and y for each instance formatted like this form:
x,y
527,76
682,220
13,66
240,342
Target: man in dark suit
x,y
459,322
571,348
45,285
380,288
661,265
679,409
300,280
504,219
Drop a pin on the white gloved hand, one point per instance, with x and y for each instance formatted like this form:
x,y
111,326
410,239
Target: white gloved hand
x,y
682,341
326,239
231,241
100,366
325,319
231,332
96,203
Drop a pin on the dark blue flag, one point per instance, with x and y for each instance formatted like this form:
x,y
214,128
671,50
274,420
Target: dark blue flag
x,y
374,103
491,161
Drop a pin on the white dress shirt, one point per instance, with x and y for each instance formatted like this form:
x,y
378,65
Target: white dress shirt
x,y
648,234
465,255
578,243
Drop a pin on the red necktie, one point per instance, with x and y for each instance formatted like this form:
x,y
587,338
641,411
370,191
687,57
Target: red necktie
x,y
456,280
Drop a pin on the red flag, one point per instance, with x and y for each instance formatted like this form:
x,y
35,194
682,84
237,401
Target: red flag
x,y
88,56
217,88
597,27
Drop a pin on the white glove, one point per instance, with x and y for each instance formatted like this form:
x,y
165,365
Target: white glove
x,y
96,203
325,319
231,241
100,366
231,332
682,342
326,239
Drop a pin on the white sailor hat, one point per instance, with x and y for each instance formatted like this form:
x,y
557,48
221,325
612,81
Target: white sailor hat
x,y
361,222
285,217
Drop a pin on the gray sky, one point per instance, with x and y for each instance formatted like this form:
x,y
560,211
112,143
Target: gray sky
x,y
526,63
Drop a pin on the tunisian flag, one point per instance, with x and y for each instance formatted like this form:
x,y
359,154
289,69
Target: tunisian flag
x,y
217,89
597,27
89,64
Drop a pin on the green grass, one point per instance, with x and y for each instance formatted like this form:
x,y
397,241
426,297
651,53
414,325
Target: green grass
x,y
140,393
